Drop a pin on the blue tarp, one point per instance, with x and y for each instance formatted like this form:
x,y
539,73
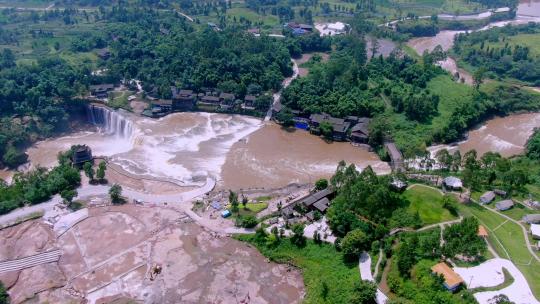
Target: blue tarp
x,y
301,125
225,213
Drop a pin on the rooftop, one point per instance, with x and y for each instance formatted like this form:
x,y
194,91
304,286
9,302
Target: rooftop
x,y
482,232
535,230
313,198
487,197
451,278
322,204
502,205
453,181
532,218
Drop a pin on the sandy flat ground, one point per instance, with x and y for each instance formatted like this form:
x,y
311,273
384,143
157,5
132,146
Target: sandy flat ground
x,y
109,254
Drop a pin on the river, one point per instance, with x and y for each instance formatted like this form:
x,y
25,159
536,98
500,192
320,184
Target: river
x,y
506,135
238,151
528,10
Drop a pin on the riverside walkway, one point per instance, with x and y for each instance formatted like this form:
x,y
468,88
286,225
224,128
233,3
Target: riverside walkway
x,y
89,190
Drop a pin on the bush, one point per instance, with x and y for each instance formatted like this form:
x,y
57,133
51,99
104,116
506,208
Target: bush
x,y
13,158
321,184
247,221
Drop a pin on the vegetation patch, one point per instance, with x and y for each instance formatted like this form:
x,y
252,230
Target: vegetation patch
x,y
429,203
326,277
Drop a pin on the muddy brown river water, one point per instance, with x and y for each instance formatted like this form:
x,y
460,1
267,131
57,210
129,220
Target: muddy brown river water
x,y
237,151
506,135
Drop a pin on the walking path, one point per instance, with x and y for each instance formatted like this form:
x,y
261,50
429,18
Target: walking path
x,y
441,224
525,234
378,263
364,265
30,261
277,96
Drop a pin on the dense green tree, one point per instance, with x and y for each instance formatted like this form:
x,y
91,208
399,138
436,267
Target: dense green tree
x,y
462,239
4,296
100,173
247,221
364,293
68,196
115,192
533,146
355,242
233,201
89,170
298,237
321,184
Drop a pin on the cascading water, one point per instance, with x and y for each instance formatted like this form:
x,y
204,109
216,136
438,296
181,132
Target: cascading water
x,y
110,122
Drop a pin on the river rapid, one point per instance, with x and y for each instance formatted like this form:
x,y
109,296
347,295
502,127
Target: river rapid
x,y
237,151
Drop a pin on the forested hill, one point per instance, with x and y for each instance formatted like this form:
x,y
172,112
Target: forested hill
x,y
158,47
410,101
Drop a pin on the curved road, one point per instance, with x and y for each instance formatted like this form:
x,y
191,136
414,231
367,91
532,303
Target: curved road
x,y
89,190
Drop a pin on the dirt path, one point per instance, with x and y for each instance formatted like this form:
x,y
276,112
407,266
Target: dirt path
x,y
277,96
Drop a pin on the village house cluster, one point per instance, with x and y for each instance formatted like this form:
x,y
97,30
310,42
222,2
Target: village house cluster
x,y
353,128
210,100
187,100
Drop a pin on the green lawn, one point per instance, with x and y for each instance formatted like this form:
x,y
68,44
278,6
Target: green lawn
x,y
320,264
412,136
251,208
428,203
511,237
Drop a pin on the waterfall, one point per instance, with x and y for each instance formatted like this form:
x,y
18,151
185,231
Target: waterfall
x,y
110,122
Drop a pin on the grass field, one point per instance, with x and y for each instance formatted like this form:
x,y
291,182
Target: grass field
x,y
320,264
410,135
428,203
243,12
530,40
251,208
451,93
508,240
120,100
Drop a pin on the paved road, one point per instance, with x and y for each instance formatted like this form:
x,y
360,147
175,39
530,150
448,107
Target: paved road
x,y
364,265
30,261
490,274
